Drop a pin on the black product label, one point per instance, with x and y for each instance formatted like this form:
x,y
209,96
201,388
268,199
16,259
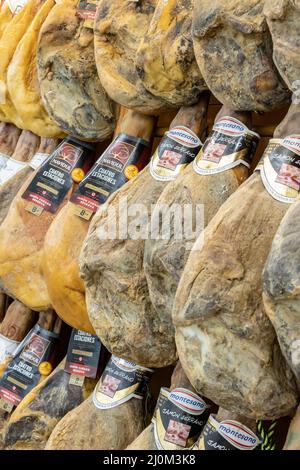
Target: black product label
x,y
121,381
66,165
226,435
83,354
280,168
177,149
87,11
31,360
230,144
120,162
179,418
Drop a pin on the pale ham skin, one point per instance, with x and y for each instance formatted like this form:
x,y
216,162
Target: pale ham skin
x,y
165,60
225,341
24,150
34,419
164,259
9,135
69,84
22,80
233,49
281,287
118,31
65,238
146,440
293,438
90,428
282,281
283,17
5,17
9,40
98,429
117,294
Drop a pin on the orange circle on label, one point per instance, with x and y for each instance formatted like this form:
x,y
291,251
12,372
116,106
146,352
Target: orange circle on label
x,y
45,368
131,171
77,175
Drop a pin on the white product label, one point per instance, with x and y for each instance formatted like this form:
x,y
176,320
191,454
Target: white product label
x,y
229,144
7,347
280,168
238,435
230,126
226,435
12,167
184,136
177,149
121,381
187,401
3,160
179,418
16,5
37,160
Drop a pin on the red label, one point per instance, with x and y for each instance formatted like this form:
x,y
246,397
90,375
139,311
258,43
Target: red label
x,y
10,397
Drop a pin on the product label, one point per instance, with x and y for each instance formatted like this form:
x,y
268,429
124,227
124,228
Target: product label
x,y
3,161
120,162
31,360
16,6
121,381
230,144
12,168
38,159
87,11
280,168
7,347
179,418
177,149
83,354
226,435
66,165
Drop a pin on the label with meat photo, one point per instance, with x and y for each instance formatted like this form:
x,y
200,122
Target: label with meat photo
x,y
121,381
177,149
31,359
7,347
38,160
66,165
226,435
230,144
12,168
3,162
179,419
280,168
120,162
86,10
83,354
